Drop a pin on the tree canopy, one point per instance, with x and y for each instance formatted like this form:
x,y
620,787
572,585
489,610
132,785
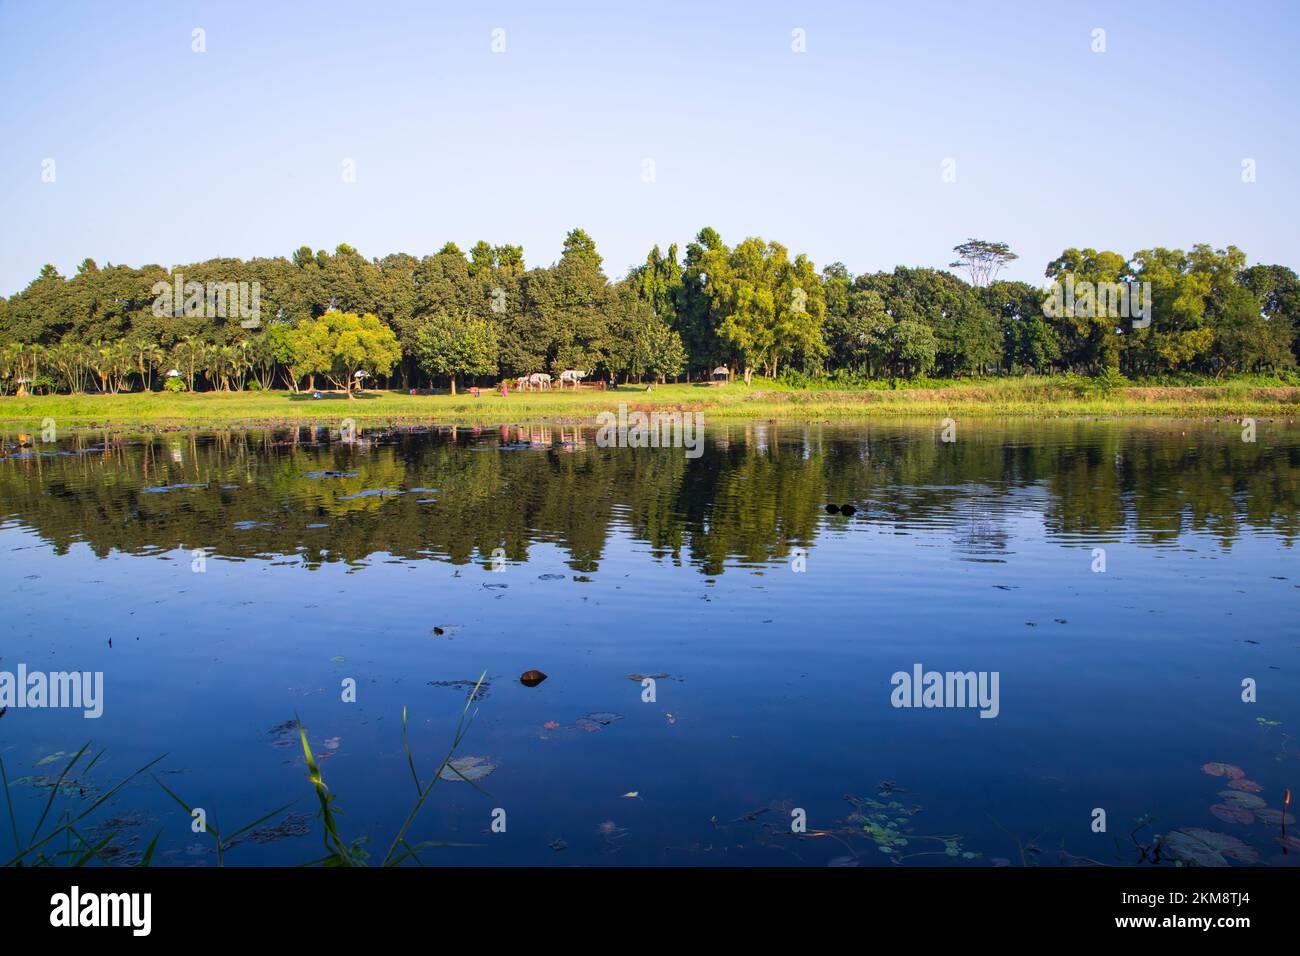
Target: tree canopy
x,y
754,307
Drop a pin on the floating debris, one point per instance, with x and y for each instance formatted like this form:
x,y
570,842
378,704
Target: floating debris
x,y
467,686
372,493
467,768
531,678
295,824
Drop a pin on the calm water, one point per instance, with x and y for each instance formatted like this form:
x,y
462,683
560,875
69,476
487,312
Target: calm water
x,y
772,685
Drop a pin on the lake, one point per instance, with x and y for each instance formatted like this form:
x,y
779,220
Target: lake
x,y
725,660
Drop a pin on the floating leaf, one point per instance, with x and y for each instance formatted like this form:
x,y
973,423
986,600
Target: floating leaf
x,y
1241,783
1223,770
551,725
51,758
1187,849
1222,843
1290,842
1247,800
1274,817
604,718
1231,814
467,768
337,659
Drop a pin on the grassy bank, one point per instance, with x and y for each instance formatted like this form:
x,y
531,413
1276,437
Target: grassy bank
x,y
1033,397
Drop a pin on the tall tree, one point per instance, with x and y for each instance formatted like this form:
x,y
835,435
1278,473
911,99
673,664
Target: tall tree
x,y
982,260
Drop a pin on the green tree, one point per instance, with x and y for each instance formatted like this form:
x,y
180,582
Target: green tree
x,y
457,346
340,344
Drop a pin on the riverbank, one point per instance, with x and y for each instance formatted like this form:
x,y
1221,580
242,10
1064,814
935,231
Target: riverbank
x,y
994,398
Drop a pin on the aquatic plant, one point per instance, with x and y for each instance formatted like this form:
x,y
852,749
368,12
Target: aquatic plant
x,y
77,849
341,852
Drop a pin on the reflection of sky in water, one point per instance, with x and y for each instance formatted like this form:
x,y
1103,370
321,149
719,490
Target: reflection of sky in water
x,y
1115,687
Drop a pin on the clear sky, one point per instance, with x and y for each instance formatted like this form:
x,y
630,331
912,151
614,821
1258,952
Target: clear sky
x,y
169,156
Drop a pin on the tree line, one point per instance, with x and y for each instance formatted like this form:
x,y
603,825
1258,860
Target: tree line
x,y
752,308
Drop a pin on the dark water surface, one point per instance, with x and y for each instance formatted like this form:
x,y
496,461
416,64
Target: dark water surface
x,y
328,561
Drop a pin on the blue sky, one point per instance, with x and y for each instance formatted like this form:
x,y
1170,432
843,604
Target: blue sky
x,y
169,156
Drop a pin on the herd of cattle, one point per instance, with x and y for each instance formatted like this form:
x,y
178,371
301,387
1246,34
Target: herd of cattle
x,y
542,381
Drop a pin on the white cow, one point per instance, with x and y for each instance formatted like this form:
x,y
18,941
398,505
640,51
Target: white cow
x,y
572,376
540,379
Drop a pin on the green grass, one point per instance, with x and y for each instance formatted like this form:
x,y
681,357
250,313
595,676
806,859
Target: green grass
x,y
1059,397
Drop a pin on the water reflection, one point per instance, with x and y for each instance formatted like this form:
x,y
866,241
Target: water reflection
x,y
758,491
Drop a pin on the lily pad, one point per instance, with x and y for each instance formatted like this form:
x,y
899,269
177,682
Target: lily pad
x,y
1239,799
1194,844
1274,817
467,768
1241,783
1187,849
1231,814
605,719
1223,770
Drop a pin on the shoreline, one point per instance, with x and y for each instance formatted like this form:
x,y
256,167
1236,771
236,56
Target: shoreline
x,y
998,399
